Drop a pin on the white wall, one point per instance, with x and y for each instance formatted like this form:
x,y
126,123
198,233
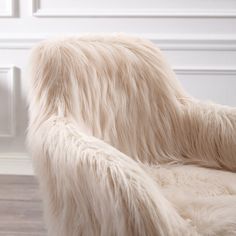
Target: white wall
x,y
197,37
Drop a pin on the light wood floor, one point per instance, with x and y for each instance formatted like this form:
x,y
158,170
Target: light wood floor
x,y
20,207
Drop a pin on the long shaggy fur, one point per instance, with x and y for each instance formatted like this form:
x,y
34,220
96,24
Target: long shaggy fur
x,y
110,131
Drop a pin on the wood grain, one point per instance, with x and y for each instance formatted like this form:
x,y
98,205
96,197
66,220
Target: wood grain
x,y
20,207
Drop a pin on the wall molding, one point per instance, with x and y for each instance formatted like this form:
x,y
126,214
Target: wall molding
x,y
10,76
205,71
168,42
37,11
15,164
195,43
10,10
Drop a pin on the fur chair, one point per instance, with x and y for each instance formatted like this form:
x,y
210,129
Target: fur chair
x,y
121,149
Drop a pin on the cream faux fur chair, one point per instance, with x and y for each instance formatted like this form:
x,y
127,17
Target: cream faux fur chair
x,y
121,149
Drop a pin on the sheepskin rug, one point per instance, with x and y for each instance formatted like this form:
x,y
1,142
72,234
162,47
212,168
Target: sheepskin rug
x,y
121,149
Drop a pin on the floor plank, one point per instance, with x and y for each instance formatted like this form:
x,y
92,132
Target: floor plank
x,y
20,207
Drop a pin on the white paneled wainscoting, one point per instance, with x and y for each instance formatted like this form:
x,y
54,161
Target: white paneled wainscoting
x,y
198,38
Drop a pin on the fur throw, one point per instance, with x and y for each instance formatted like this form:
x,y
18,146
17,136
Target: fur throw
x,y
121,149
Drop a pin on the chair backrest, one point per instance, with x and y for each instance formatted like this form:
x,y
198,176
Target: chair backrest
x,y
117,88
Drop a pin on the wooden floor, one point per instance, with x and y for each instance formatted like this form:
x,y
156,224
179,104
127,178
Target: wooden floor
x,y
20,207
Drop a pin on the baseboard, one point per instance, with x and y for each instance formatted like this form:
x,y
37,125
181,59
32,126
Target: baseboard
x,y
15,164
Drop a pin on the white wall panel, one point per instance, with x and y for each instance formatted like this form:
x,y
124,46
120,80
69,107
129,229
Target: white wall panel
x,y
198,38
7,8
134,8
13,90
7,102
210,84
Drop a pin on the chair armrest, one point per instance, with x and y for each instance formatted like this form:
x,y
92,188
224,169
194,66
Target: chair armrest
x,y
90,188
